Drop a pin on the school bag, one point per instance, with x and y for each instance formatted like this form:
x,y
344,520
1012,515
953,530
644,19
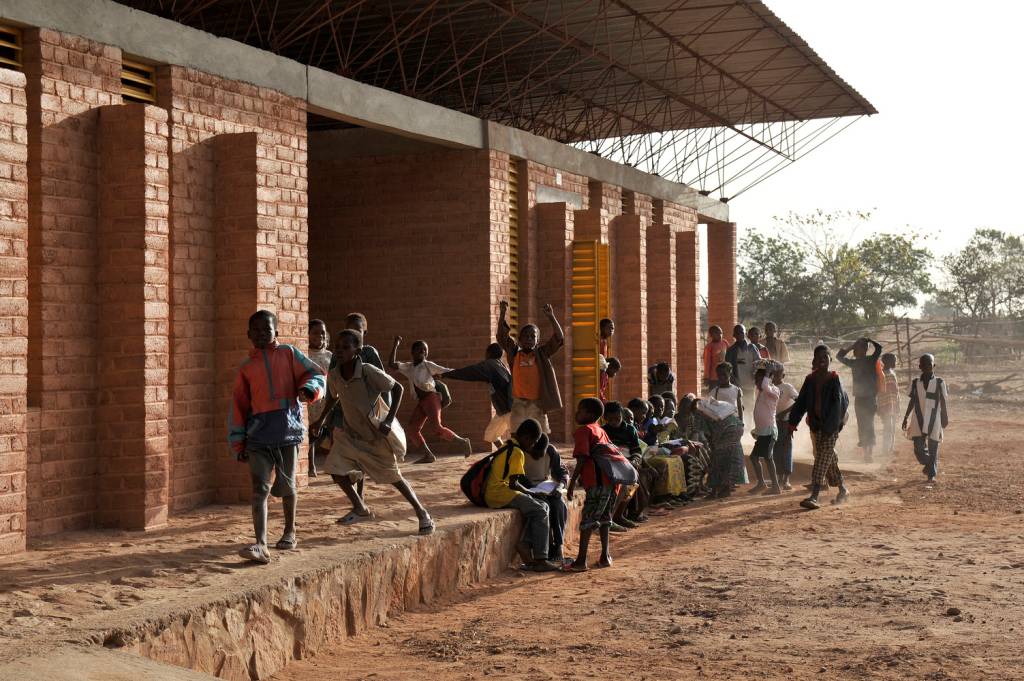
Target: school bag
x,y
474,481
612,465
445,392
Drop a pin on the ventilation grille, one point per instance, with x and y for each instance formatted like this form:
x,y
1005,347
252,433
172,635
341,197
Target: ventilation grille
x,y
138,82
10,48
590,304
513,243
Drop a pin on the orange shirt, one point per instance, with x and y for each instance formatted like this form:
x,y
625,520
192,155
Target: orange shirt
x,y
526,376
714,354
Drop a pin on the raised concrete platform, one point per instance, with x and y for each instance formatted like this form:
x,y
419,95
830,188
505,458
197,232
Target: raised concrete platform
x,y
181,596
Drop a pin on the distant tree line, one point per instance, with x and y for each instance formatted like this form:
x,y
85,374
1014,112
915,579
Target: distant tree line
x,y
812,273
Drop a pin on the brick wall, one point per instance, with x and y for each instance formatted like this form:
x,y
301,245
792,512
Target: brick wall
x,y
13,310
629,296
67,78
132,277
418,244
554,285
202,107
661,295
689,346
722,280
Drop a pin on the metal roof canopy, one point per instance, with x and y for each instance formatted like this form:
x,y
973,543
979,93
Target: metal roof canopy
x,y
715,94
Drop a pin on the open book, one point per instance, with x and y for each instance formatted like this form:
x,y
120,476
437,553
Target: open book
x,y
546,487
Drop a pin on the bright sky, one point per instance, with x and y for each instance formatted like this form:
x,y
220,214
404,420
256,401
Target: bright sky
x,y
944,152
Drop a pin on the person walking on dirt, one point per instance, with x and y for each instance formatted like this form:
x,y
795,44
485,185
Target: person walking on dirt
x,y
928,397
865,389
824,401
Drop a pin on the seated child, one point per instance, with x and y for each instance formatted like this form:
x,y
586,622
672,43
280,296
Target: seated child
x,y
543,464
660,379
671,475
510,491
598,506
493,372
421,372
629,510
765,430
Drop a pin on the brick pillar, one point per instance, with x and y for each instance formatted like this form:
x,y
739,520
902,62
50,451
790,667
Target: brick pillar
x,y
554,249
132,282
722,275
245,277
13,310
661,295
688,331
629,294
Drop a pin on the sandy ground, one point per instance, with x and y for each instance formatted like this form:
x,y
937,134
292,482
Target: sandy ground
x,y
908,581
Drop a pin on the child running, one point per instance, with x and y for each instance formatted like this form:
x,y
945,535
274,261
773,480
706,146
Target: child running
x,y
265,425
535,391
782,452
421,372
889,402
363,444
928,397
319,341
598,506
505,488
765,429
499,383
825,403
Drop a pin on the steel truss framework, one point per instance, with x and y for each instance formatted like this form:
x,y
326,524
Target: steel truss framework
x,y
718,94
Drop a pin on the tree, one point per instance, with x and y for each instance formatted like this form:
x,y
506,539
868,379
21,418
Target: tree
x,y
985,279
817,276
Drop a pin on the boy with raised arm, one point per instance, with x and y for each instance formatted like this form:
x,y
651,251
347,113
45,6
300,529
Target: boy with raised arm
x,y
865,389
535,391
499,382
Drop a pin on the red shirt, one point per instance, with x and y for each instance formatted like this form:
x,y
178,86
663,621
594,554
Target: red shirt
x,y
585,438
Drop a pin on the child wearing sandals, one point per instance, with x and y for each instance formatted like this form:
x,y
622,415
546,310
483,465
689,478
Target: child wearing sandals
x,y
361,446
601,495
265,425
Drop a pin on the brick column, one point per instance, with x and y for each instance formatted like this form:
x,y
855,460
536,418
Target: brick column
x,y
245,280
554,285
661,295
629,294
13,310
132,281
722,280
688,331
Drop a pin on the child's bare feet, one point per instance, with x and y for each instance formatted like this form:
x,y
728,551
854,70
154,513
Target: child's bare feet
x,y
605,562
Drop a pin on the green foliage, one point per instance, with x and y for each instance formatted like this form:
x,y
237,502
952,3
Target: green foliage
x,y
985,279
815,276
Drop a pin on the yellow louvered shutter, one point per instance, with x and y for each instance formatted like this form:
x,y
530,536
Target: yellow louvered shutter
x,y
10,48
590,303
138,82
513,244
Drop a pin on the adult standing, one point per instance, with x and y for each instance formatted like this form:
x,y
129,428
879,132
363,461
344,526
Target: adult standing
x,y
865,389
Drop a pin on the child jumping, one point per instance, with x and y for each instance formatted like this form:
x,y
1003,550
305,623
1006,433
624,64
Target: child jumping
x,y
265,425
421,372
363,445
319,341
928,397
535,391
600,501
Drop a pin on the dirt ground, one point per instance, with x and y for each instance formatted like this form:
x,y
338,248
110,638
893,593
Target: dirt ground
x,y
908,581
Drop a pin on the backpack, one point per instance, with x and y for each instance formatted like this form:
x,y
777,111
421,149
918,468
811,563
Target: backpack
x,y
613,466
474,481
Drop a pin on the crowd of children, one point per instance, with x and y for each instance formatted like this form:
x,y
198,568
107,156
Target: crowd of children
x,y
632,460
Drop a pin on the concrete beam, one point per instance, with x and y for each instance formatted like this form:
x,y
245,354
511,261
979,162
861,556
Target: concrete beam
x,y
164,41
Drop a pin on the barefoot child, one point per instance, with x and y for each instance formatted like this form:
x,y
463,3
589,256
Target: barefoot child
x,y
505,488
765,431
493,372
597,508
928,398
319,341
362,446
825,403
265,425
421,372
782,452
889,402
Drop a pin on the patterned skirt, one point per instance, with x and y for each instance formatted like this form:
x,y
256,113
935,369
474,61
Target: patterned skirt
x,y
727,464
